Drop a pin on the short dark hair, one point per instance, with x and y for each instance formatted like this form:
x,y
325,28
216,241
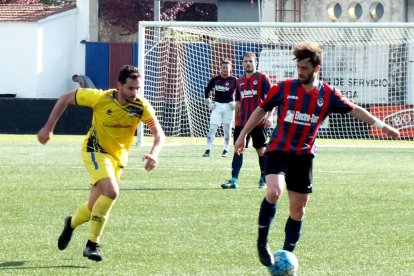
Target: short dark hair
x,y
128,72
309,50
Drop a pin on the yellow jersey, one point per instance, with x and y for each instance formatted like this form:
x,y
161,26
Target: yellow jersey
x,y
113,125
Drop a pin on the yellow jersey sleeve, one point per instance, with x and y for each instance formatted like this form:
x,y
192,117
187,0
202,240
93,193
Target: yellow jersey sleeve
x,y
149,112
88,97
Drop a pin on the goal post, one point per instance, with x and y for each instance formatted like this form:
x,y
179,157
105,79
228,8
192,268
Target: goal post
x,y
371,63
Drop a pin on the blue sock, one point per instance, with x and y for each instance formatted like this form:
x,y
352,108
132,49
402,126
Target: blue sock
x,y
292,234
236,165
266,214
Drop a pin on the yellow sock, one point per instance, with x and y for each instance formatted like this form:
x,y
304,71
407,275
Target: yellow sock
x,y
99,216
82,215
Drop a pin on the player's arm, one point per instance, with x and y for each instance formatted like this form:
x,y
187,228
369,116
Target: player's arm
x,y
362,114
158,142
268,118
237,106
254,119
208,88
237,100
266,86
207,92
46,132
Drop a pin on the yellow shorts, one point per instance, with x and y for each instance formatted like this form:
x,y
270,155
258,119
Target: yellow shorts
x,y
100,166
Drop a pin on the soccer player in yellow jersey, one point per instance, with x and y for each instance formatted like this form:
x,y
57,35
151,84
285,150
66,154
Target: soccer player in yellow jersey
x,y
116,114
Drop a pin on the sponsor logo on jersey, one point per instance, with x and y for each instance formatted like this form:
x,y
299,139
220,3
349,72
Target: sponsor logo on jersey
x,y
221,88
292,97
135,111
300,118
117,125
248,93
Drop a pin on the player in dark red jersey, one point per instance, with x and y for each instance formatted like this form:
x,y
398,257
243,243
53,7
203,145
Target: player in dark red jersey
x,y
303,104
222,108
251,90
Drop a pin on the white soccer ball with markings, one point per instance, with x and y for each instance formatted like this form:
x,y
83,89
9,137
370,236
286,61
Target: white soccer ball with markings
x,y
286,264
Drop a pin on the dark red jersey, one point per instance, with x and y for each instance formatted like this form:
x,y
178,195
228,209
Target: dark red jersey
x,y
250,91
224,89
300,113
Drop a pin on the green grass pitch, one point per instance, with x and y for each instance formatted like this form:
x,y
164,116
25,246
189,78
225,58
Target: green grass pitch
x,y
176,220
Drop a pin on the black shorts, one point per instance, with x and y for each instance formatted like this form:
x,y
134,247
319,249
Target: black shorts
x,y
296,168
258,134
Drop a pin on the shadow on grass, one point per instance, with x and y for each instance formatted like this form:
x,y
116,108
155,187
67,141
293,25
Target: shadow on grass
x,y
151,189
20,266
170,189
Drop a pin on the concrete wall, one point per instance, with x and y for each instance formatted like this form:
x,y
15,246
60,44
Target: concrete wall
x,y
317,11
268,10
237,11
93,20
410,10
244,11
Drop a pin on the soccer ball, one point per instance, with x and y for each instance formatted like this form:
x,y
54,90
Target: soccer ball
x,y
286,264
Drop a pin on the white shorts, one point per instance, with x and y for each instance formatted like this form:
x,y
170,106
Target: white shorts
x,y
222,113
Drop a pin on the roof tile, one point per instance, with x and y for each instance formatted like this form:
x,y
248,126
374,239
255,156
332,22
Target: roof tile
x,y
30,12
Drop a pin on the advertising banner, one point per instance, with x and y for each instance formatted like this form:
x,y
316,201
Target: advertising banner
x,y
400,117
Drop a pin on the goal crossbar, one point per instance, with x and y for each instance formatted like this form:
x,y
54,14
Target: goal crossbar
x,y
371,63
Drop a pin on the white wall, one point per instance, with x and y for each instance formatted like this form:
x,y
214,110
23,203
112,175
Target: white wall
x,y
18,58
57,54
85,10
39,58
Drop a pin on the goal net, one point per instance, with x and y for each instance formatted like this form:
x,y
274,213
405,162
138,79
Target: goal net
x,y
371,63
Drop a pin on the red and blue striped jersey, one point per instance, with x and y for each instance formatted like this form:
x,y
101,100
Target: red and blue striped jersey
x,y
250,92
300,114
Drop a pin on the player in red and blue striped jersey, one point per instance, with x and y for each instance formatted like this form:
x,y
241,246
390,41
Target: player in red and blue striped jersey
x,y
303,104
251,90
